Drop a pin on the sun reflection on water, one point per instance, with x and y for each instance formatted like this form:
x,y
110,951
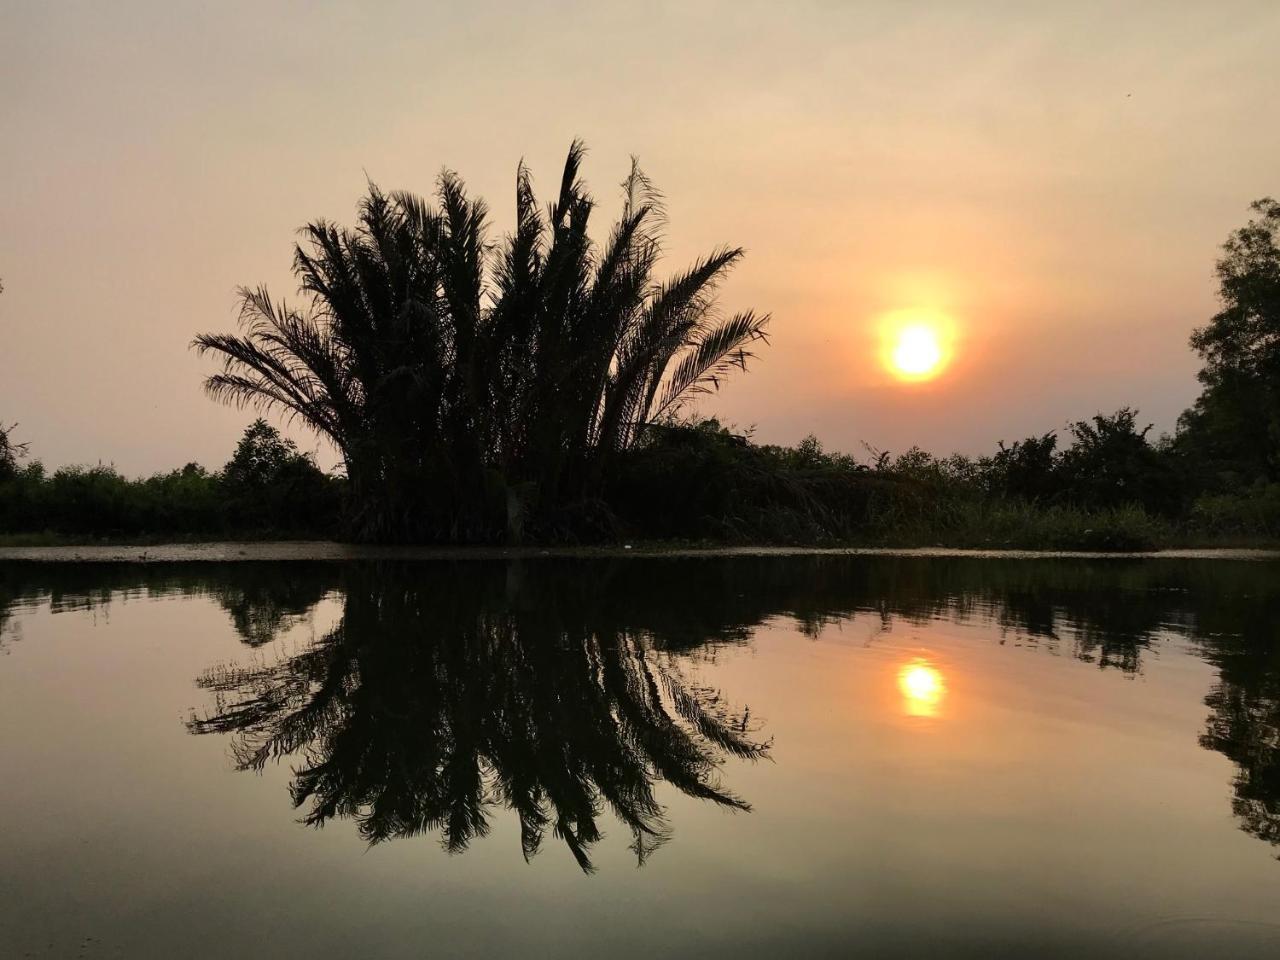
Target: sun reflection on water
x,y
922,688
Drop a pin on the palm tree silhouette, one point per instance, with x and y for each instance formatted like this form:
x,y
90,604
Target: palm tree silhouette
x,y
456,376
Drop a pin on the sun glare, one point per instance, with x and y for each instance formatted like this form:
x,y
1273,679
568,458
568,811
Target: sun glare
x,y
916,344
921,687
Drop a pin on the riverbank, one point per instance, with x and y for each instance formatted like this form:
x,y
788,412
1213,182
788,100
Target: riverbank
x,y
327,550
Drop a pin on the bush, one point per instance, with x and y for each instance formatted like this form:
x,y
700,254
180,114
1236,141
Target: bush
x,y
1251,515
700,481
267,489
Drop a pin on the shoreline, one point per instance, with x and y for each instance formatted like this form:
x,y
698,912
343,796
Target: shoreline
x,y
232,551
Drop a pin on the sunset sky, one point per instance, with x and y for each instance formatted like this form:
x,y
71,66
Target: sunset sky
x,y
1054,178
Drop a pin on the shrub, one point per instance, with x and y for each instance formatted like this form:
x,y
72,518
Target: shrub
x,y
1252,514
268,489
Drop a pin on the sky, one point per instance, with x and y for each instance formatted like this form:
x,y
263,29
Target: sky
x,y
1055,178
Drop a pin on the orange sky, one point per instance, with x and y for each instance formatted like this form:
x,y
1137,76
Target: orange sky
x,y
1057,178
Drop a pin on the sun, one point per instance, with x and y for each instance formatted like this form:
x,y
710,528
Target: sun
x,y
922,688
916,344
918,352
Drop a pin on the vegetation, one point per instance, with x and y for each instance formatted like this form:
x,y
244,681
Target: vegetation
x,y
538,389
466,384
1028,495
267,489
1232,433
10,452
1109,487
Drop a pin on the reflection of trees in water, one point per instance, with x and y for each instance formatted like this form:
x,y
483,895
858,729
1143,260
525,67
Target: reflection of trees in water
x,y
1238,631
426,706
1244,726
262,608
262,598
1111,613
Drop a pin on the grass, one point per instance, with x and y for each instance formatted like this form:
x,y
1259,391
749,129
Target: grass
x,y
1024,526
982,526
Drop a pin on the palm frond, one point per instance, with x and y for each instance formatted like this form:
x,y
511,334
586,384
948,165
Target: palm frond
x,y
708,360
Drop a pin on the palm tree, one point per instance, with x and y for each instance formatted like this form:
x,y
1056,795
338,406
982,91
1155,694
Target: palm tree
x,y
449,371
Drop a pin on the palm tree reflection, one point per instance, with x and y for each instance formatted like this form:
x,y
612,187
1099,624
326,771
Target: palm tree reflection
x,y
426,707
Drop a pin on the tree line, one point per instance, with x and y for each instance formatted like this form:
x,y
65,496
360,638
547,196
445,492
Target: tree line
x,y
267,488
538,387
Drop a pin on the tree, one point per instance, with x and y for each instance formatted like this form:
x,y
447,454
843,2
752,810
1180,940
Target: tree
x,y
270,485
10,452
1234,426
456,376
261,457
1026,469
1111,463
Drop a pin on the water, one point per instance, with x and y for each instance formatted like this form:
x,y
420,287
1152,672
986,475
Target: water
x,y
768,756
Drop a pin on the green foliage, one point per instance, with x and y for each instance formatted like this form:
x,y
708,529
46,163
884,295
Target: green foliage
x,y
268,489
1019,525
1252,514
466,383
261,457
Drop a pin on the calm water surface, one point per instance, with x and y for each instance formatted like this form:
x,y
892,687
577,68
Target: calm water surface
x,y
817,756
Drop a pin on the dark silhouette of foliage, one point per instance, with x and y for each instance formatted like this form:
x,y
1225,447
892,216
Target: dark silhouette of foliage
x,y
1109,614
465,383
430,702
1245,727
439,670
1233,429
1111,463
261,457
268,484
1240,640
268,488
1026,469
533,389
702,481
10,452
